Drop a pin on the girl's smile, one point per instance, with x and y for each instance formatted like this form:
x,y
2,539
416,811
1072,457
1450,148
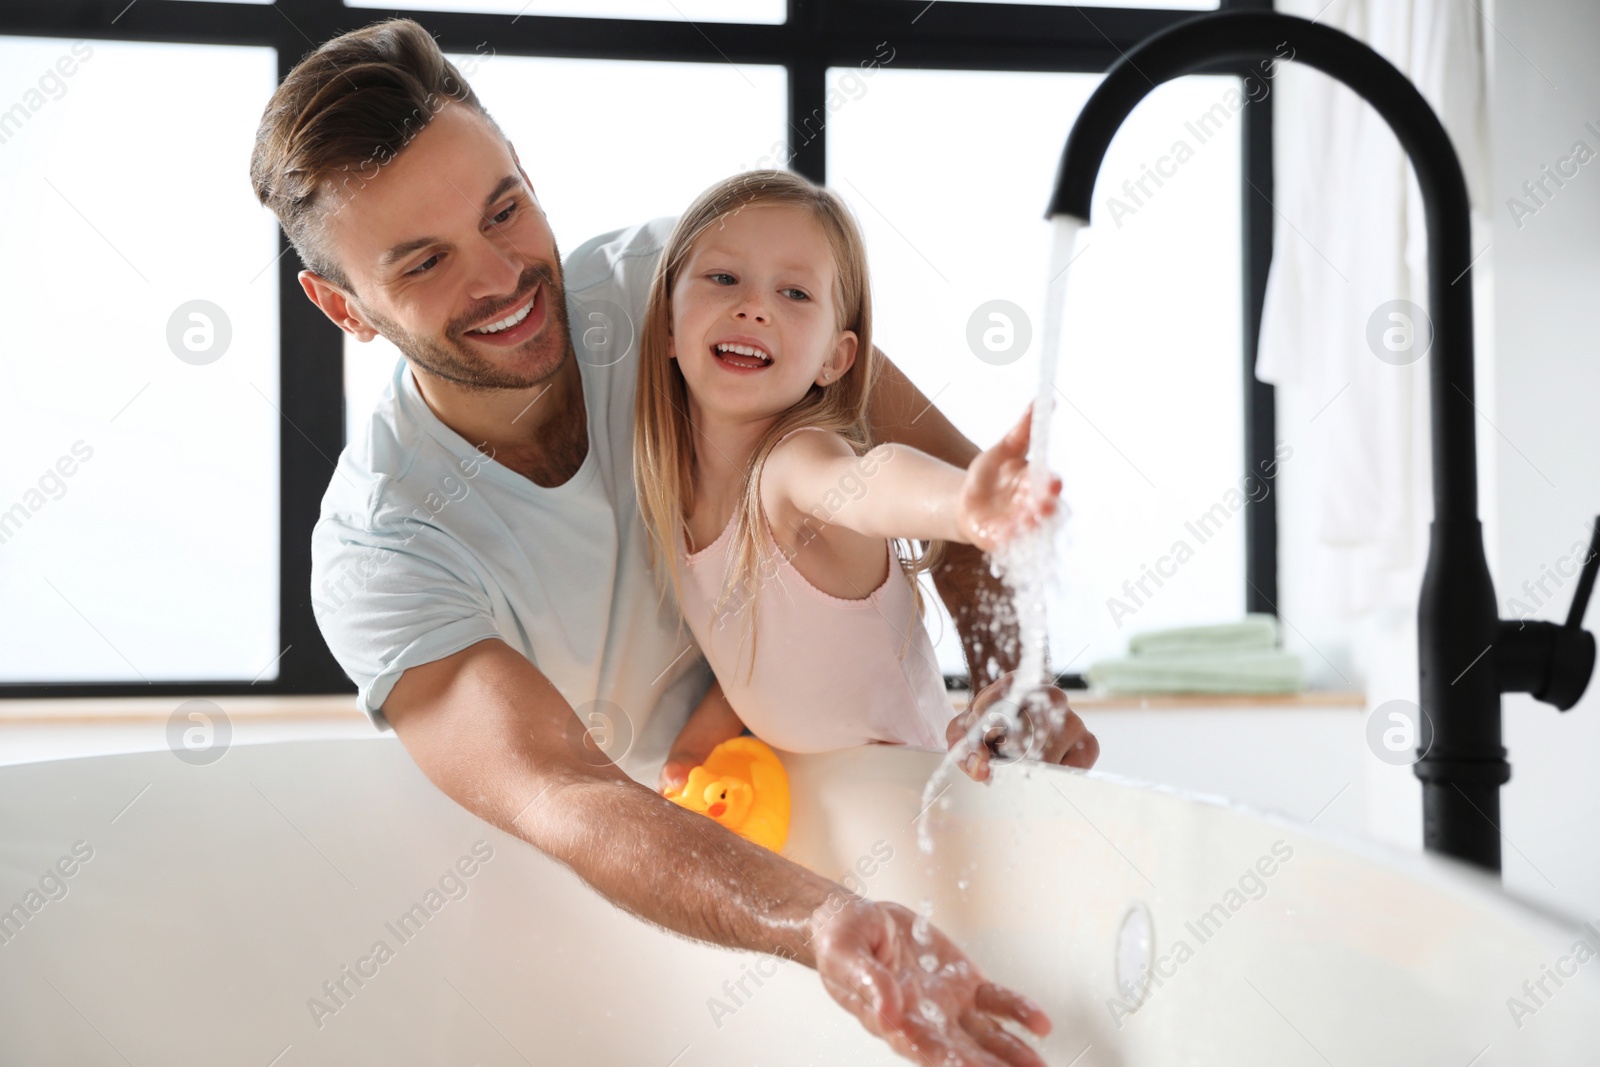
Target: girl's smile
x,y
742,353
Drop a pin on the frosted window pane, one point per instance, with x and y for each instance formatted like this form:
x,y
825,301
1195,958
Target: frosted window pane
x,y
128,196
949,173
762,11
1178,5
639,148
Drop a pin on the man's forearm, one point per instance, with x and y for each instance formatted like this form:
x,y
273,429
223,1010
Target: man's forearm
x,y
984,614
978,602
677,868
495,736
899,413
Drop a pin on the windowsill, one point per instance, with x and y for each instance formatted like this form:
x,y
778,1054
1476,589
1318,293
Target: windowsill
x,y
333,706
1310,700
341,706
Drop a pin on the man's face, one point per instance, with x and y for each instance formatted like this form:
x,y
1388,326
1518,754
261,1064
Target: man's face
x,y
446,240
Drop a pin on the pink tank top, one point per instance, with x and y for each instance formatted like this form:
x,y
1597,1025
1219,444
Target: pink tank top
x,y
828,673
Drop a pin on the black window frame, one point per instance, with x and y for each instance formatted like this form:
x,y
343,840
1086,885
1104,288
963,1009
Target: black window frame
x,y
818,34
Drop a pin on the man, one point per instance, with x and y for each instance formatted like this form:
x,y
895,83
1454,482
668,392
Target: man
x,y
480,568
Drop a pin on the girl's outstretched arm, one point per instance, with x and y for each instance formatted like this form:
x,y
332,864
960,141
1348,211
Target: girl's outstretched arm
x,y
816,480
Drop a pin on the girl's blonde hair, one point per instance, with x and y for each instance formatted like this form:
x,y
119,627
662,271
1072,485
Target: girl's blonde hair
x,y
663,455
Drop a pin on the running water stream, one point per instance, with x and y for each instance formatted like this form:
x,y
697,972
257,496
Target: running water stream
x,y
1025,563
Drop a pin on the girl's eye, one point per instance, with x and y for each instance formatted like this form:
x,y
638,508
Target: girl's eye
x,y
795,294
717,275
421,268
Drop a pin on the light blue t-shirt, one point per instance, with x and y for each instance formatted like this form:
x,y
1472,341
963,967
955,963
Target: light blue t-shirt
x,y
426,545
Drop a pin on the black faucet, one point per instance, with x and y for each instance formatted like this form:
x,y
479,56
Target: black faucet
x,y
1467,654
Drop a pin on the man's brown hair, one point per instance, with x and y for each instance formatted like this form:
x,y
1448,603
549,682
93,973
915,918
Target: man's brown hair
x,y
343,112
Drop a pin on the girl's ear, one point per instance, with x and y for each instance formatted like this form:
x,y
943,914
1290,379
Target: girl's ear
x,y
842,359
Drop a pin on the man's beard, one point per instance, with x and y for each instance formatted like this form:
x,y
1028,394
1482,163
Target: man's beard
x,y
450,358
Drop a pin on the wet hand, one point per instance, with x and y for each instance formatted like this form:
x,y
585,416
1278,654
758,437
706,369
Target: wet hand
x,y
1051,732
999,499
910,985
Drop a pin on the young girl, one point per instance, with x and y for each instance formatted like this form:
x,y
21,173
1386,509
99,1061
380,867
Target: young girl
x,y
770,513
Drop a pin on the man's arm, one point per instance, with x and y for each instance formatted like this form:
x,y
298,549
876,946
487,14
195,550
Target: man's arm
x,y
491,731
978,602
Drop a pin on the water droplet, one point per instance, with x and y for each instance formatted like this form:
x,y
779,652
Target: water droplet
x,y
920,932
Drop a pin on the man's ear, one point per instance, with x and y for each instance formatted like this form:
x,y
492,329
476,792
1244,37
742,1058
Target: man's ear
x,y
336,304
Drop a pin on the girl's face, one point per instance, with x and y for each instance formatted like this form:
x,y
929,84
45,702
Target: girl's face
x,y
753,314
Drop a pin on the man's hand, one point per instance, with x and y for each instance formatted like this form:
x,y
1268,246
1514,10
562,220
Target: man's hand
x,y
998,497
911,986
1051,730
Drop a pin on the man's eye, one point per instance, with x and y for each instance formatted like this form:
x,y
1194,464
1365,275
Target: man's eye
x,y
498,219
421,268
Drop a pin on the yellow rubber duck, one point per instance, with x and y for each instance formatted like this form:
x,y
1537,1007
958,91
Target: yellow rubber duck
x,y
743,786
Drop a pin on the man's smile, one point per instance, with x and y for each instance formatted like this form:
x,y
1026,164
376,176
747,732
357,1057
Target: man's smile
x,y
516,327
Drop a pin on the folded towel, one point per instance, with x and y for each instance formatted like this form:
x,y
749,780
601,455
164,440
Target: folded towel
x,y
1250,671
1257,631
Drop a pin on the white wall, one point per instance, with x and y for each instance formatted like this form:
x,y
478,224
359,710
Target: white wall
x,y
1545,86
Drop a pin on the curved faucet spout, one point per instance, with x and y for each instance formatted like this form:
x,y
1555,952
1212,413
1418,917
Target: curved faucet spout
x,y
1205,42
1461,760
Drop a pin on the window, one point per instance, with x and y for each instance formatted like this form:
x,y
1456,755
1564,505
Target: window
x,y
156,501
666,10
1198,5
139,423
1148,426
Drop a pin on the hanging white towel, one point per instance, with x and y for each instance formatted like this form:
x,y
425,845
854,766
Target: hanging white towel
x,y
1350,237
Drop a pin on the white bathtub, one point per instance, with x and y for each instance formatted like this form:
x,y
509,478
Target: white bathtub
x,y
217,900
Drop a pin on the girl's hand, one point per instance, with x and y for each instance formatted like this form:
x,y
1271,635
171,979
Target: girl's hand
x,y
675,772
998,499
711,723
